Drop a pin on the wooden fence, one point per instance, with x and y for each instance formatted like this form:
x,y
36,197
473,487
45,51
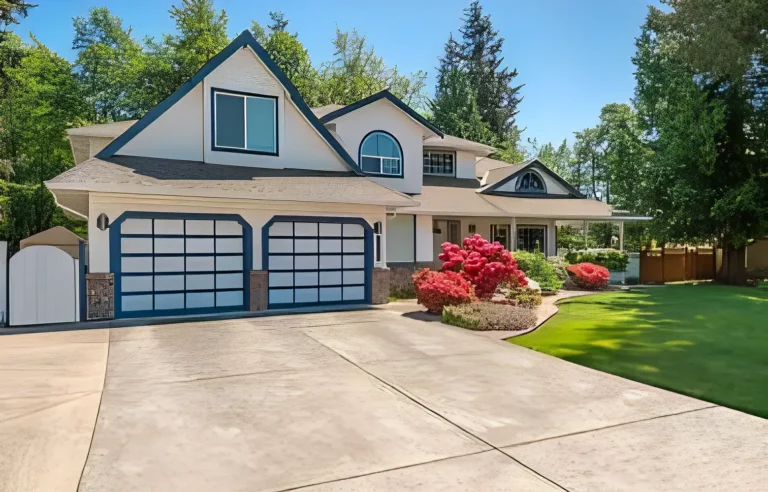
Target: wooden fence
x,y
658,266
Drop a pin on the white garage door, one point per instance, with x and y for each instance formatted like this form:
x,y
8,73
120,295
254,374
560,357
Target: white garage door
x,y
170,266
313,262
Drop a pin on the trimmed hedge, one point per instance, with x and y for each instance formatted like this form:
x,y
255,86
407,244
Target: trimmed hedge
x,y
614,261
486,316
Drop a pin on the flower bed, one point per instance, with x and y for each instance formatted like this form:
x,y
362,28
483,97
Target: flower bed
x,y
588,276
485,316
437,289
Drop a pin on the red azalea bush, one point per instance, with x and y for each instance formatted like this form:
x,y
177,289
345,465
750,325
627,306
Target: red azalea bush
x,y
437,289
589,276
484,264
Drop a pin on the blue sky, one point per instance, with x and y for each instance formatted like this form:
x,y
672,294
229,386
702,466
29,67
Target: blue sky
x,y
573,56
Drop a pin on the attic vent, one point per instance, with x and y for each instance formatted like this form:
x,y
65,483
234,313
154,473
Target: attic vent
x,y
331,126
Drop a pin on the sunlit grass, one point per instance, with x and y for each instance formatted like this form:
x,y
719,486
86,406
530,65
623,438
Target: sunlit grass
x,y
708,341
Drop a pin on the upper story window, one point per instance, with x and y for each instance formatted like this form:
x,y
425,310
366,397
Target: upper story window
x,y
439,163
380,153
244,122
530,182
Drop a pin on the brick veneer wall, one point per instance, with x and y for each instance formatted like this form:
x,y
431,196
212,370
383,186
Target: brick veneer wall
x,y
259,299
381,285
100,293
400,282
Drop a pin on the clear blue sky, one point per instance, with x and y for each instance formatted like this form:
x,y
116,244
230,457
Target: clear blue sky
x,y
573,56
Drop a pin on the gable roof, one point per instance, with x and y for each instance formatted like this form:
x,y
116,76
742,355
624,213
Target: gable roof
x,y
385,94
489,170
328,108
244,39
457,143
534,163
106,130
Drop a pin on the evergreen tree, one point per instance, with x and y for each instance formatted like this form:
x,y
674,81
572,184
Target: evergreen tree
x,y
455,111
278,22
202,33
10,11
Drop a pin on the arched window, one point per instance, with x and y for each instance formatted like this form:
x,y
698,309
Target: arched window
x,y
530,182
380,153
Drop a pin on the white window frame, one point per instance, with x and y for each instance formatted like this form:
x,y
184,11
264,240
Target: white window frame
x,y
245,97
381,159
436,151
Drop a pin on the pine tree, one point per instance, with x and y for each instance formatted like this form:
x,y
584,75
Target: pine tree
x,y
202,33
278,22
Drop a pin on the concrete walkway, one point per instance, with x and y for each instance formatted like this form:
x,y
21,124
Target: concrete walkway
x,y
370,400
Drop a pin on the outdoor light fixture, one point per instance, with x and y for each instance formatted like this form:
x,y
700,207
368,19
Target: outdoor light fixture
x,y
102,222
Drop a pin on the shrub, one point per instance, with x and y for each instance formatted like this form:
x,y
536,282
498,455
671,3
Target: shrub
x,y
614,261
485,265
434,290
589,276
525,297
560,266
485,316
536,267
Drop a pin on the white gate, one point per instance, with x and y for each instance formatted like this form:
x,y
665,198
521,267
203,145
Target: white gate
x,y
43,286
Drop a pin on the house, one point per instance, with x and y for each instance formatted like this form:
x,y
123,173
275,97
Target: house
x,y
232,195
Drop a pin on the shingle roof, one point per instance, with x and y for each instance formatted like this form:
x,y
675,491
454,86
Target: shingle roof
x,y
496,170
456,143
454,201
555,208
143,175
113,130
328,108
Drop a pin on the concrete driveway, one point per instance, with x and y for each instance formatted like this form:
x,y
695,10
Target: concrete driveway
x,y
367,400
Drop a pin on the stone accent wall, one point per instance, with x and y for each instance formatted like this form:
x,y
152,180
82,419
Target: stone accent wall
x,y
381,285
259,290
100,293
400,282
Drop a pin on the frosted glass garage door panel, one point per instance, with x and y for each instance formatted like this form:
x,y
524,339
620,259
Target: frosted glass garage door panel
x,y
330,245
229,263
354,261
164,245
169,282
199,245
200,227
228,228
200,264
330,262
200,282
169,264
200,300
281,229
281,245
353,230
305,278
354,246
280,279
280,296
136,226
330,230
354,293
229,245
229,281
136,245
331,294
166,226
136,303
169,301
305,229
306,295
281,262
136,265
354,277
305,245
137,284
229,298
330,278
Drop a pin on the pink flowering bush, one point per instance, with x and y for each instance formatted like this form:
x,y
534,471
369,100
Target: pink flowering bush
x,y
589,276
485,265
437,289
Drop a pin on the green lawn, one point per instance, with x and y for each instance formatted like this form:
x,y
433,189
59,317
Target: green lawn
x,y
706,341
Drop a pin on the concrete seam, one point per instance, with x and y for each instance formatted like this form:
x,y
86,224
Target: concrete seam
x,y
436,414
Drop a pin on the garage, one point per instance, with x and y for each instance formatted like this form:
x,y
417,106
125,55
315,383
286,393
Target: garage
x,y
317,261
174,264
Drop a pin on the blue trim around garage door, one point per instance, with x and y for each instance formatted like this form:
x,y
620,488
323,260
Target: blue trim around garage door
x,y
368,251
115,263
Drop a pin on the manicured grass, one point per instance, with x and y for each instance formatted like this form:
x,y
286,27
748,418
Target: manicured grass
x,y
706,341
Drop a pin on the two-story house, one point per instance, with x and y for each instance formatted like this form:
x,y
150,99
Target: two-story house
x,y
233,194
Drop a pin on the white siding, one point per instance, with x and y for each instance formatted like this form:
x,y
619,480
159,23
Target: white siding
x,y
383,115
176,134
465,165
400,237
424,238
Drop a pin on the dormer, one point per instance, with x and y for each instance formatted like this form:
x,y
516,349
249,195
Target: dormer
x,y
531,179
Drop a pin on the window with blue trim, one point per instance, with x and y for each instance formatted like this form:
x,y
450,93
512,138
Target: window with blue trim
x,y
380,154
244,122
530,182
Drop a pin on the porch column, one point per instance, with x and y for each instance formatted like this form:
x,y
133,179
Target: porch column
x,y
621,236
513,234
586,234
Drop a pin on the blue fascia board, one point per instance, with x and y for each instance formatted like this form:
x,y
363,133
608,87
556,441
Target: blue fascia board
x,y
244,39
385,94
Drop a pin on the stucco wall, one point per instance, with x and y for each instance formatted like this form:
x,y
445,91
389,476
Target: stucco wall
x,y
256,213
553,187
383,115
400,238
757,257
465,165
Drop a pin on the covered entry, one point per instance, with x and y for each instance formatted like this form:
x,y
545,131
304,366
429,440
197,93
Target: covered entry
x,y
317,260
172,264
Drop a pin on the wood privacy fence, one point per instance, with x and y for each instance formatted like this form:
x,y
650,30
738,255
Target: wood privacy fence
x,y
658,266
